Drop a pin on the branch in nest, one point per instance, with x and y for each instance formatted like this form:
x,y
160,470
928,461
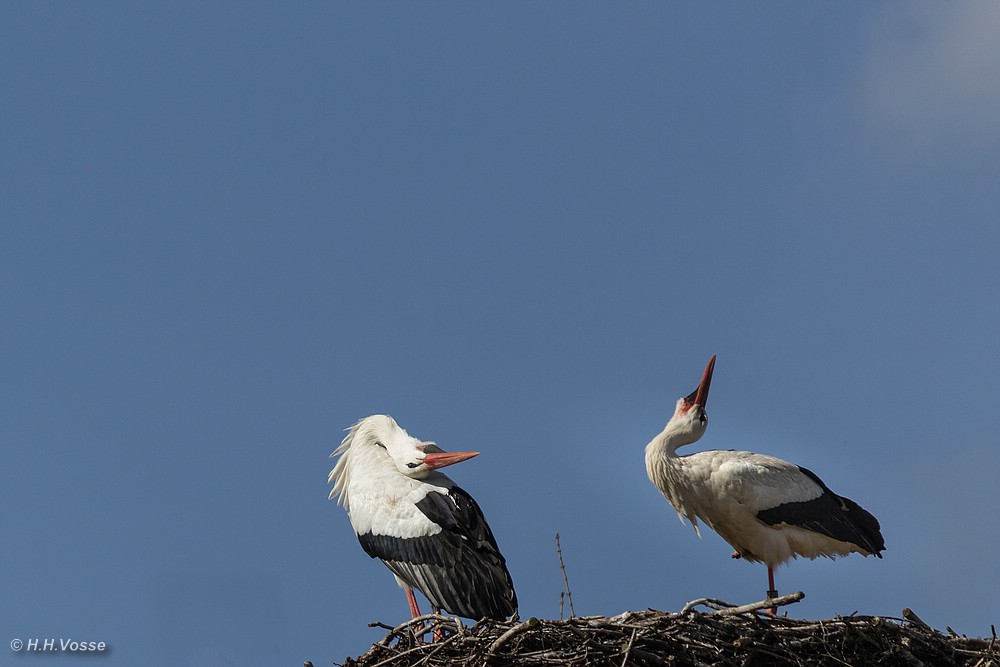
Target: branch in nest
x,y
771,603
569,596
721,608
516,630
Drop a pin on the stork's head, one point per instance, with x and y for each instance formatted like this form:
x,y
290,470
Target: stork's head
x,y
412,457
379,438
690,418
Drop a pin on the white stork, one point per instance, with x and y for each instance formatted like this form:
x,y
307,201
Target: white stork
x,y
429,532
767,509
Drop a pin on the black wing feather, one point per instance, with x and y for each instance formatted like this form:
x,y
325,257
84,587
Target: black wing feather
x,y
459,569
832,515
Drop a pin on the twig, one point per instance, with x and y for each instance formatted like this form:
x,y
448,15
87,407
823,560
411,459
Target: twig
x,y
438,647
418,647
912,617
562,566
722,608
708,602
757,606
438,620
628,649
517,629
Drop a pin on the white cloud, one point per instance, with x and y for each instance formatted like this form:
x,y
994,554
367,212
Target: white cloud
x,y
933,73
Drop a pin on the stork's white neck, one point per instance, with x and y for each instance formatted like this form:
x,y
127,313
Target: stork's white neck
x,y
667,442
667,471
685,427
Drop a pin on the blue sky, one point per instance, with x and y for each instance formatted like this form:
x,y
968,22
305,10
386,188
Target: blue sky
x,y
231,230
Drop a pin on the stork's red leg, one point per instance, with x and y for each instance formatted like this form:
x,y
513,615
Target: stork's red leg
x,y
411,600
438,632
736,554
771,593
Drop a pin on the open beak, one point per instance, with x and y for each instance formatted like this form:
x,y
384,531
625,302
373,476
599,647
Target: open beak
x,y
437,460
700,395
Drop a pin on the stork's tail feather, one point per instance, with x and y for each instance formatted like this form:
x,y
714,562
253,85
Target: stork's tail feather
x,y
866,525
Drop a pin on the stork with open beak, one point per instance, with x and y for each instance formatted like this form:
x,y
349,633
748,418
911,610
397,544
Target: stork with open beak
x,y
767,509
429,532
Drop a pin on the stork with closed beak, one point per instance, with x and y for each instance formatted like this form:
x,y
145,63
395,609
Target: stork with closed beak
x,y
767,509
429,532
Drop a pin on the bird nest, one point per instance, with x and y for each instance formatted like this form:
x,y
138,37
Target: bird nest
x,y
722,634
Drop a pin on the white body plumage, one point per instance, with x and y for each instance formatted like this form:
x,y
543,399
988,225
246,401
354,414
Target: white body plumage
x,y
728,489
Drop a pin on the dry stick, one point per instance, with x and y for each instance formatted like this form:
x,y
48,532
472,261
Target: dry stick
x,y
517,629
757,606
729,610
418,647
628,649
912,617
438,646
562,566
708,602
402,627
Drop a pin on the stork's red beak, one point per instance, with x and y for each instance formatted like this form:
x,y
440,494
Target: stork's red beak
x,y
700,395
437,460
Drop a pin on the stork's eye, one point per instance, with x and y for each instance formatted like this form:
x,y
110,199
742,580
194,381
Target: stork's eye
x,y
702,417
379,444
412,465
